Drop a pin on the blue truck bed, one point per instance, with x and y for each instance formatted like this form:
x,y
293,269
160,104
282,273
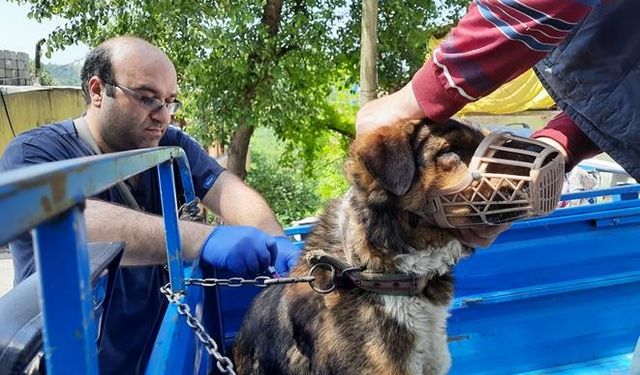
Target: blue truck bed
x,y
555,295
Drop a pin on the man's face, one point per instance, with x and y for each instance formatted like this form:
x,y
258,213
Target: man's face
x,y
125,123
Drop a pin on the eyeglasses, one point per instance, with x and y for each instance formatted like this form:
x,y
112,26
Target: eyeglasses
x,y
149,103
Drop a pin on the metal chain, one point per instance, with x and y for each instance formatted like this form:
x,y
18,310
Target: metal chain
x,y
223,363
190,211
260,281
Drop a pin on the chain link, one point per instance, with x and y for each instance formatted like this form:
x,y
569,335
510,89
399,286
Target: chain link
x,y
223,363
260,281
190,211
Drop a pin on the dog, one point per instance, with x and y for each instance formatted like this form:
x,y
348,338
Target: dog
x,y
391,267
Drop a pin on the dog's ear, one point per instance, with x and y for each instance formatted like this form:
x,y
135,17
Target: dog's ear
x,y
388,157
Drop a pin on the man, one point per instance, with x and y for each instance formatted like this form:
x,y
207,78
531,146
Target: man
x,y
130,88
590,67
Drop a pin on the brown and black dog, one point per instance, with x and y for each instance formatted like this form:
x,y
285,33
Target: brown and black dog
x,y
380,227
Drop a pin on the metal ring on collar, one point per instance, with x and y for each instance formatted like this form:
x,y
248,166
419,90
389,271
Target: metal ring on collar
x,y
328,267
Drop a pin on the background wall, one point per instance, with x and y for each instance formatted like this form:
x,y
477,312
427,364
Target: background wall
x,y
22,108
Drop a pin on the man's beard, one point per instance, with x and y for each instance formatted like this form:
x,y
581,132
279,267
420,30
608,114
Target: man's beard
x,y
120,134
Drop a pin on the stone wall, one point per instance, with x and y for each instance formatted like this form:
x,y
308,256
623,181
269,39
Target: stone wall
x,y
14,68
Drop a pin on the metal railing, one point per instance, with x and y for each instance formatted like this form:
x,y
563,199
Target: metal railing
x,y
48,199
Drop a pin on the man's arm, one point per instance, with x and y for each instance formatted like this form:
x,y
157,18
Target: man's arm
x,y
142,232
493,43
238,204
563,133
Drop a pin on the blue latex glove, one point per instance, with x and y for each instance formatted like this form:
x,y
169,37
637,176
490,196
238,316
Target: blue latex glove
x,y
287,255
241,251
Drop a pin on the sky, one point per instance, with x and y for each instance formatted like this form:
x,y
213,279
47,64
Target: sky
x,y
20,33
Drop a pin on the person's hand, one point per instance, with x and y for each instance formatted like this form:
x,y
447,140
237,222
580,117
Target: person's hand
x,y
400,106
479,235
287,255
241,251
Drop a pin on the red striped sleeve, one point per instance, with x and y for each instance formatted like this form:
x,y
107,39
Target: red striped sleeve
x,y
564,131
496,41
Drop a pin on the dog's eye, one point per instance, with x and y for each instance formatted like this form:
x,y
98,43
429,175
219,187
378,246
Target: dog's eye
x,y
447,151
447,156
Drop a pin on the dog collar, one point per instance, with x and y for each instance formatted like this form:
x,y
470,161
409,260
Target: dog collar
x,y
343,275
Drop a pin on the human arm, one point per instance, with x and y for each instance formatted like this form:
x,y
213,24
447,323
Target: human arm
x,y
238,204
143,233
241,250
563,134
492,44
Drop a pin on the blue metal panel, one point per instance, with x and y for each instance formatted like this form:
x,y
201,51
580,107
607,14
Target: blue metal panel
x,y
541,332
185,177
65,295
171,229
177,350
33,194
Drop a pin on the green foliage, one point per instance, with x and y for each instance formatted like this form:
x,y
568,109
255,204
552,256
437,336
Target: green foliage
x,y
64,75
289,193
328,171
244,63
289,66
404,27
46,79
322,178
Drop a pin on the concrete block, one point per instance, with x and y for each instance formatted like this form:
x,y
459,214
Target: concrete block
x,y
2,54
2,72
24,73
11,73
22,64
23,56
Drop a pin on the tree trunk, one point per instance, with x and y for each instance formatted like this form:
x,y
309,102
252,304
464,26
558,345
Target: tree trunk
x,y
238,149
368,51
239,145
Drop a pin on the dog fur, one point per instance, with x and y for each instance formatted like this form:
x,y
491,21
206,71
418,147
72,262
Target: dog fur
x,y
380,225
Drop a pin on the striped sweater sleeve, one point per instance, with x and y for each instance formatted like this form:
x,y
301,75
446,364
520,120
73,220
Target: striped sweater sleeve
x,y
496,41
564,130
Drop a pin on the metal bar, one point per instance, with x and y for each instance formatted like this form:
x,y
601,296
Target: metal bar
x,y
171,228
602,192
575,285
60,185
62,259
185,178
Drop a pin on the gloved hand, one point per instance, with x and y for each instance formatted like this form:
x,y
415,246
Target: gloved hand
x,y
287,255
241,251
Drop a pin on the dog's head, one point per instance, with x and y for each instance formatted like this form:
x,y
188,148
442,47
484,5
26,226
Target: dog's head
x,y
398,166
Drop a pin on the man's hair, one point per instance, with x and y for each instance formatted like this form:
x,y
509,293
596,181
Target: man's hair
x,y
98,63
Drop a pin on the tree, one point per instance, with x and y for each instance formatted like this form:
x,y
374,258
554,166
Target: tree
x,y
246,64
241,64
404,28
46,78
